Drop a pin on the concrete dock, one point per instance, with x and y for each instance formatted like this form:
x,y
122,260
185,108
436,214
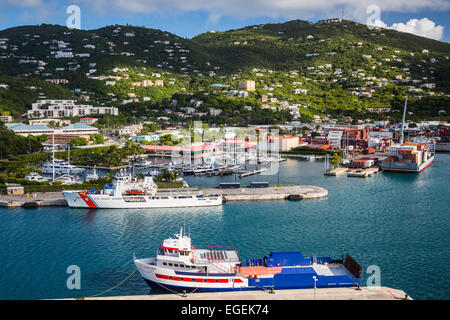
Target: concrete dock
x,y
364,293
40,199
363,173
250,173
358,173
37,199
337,172
273,193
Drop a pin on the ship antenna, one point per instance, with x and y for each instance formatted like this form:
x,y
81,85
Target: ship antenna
x,y
403,120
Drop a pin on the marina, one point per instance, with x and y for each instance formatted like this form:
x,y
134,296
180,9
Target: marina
x,y
413,210
46,199
363,173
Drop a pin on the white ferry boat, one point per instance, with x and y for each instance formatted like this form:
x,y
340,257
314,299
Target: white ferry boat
x,y
128,192
61,167
182,267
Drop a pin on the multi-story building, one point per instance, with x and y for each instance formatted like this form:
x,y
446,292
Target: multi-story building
x,y
46,122
66,108
159,83
6,118
248,85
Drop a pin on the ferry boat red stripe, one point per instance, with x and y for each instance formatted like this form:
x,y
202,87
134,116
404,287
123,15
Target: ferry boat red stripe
x,y
87,200
176,249
204,280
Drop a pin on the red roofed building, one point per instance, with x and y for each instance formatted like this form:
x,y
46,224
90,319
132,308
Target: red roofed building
x,y
320,143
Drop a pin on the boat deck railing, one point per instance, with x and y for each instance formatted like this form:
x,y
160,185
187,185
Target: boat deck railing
x,y
209,254
314,260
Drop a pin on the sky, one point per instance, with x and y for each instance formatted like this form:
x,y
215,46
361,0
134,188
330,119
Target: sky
x,y
188,18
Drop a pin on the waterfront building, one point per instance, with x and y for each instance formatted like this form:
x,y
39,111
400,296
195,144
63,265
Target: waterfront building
x,y
336,138
29,130
77,129
195,151
14,189
284,143
320,143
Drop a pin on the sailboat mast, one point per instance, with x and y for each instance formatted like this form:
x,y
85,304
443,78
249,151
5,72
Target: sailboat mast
x,y
68,169
403,120
53,155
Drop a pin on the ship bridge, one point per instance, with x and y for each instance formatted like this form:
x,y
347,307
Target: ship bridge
x,y
181,244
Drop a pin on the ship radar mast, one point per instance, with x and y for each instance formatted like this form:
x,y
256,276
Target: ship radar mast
x,y
403,120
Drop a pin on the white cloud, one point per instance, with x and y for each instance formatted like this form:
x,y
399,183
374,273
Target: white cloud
x,y
289,9
24,3
423,27
275,9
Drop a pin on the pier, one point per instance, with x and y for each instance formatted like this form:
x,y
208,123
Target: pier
x,y
273,193
363,173
250,173
337,171
363,293
47,199
355,173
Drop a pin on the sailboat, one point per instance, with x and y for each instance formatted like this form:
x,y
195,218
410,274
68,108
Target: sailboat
x,y
64,168
57,166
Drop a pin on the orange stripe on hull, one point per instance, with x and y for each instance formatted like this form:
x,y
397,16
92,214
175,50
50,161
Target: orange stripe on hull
x,y
408,171
245,271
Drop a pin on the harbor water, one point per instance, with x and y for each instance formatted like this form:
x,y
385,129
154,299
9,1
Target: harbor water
x,y
398,222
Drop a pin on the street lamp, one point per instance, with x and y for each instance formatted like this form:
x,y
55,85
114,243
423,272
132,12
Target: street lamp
x,y
315,287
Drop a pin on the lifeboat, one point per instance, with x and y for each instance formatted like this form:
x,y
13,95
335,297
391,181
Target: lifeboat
x,y
134,192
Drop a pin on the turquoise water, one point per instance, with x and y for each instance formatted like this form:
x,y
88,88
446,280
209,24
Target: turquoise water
x,y
399,222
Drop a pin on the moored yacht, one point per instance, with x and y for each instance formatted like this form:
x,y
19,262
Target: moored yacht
x,y
68,179
34,176
92,176
60,167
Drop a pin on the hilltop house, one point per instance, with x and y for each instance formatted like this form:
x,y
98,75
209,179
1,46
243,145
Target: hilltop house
x,y
247,85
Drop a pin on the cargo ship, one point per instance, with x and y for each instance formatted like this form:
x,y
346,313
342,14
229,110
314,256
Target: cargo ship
x,y
409,157
180,266
129,192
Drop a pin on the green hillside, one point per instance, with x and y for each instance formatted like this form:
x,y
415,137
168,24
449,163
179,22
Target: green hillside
x,y
344,68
